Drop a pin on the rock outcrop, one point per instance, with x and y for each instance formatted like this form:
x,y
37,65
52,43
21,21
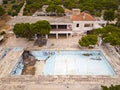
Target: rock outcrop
x,y
29,62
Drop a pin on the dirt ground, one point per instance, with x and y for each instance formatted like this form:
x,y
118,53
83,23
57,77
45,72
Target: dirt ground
x,y
3,25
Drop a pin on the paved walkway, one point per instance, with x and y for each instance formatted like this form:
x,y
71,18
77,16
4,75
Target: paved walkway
x,y
8,62
22,9
56,82
63,43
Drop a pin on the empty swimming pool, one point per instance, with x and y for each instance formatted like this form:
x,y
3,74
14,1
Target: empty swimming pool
x,y
73,62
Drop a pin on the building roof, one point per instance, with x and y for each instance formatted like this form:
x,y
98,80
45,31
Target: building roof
x,y
67,10
32,19
82,17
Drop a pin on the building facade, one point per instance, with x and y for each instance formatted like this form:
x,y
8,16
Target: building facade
x,y
76,23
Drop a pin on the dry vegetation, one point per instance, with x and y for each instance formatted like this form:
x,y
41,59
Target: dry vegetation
x,y
3,21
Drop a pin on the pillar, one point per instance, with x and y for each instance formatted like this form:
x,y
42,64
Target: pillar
x,y
67,35
46,36
71,34
36,36
56,35
56,26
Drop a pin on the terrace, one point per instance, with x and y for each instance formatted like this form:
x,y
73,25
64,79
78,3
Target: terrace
x,y
31,19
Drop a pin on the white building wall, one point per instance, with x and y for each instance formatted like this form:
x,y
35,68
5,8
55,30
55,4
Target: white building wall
x,y
78,29
81,27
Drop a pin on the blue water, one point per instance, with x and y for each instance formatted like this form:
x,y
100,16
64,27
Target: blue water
x,y
72,63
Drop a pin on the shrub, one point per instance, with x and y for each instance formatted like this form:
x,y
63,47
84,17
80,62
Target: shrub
x,y
112,87
88,40
12,1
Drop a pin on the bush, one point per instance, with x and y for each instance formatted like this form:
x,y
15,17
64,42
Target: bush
x,y
27,30
9,12
88,40
12,1
31,7
14,6
110,34
112,87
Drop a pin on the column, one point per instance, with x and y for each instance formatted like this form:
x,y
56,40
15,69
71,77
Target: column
x,y
36,37
56,35
56,26
67,35
71,34
46,36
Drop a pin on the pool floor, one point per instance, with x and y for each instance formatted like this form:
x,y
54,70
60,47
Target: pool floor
x,y
75,63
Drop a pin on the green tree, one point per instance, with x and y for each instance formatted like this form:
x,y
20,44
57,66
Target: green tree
x,y
118,24
88,40
118,19
112,87
2,11
33,5
18,29
98,31
55,9
42,27
90,9
23,30
69,4
27,30
96,6
110,34
109,15
59,10
109,4
93,6
56,2
51,8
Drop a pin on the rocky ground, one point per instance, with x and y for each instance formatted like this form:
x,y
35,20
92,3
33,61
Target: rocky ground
x,y
29,62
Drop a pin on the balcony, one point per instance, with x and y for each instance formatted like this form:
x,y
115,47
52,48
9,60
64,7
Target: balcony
x,y
61,30
88,28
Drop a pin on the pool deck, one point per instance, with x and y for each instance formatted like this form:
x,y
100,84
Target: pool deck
x,y
8,62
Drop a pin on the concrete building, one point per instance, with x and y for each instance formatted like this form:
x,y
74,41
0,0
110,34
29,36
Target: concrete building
x,y
77,23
